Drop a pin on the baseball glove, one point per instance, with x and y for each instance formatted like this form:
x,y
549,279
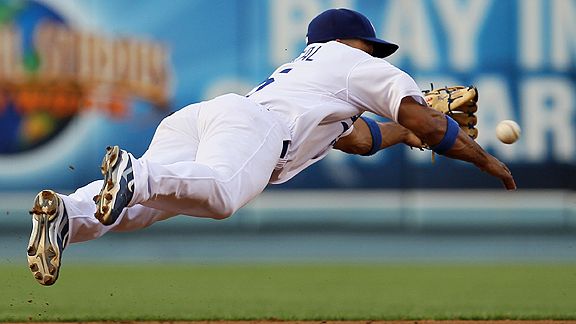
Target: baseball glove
x,y
458,102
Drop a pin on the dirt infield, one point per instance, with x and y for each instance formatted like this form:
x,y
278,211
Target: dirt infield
x,y
330,322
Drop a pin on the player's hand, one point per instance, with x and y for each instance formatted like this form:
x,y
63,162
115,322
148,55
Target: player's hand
x,y
495,167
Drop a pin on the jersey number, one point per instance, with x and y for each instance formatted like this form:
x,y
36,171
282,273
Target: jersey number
x,y
265,83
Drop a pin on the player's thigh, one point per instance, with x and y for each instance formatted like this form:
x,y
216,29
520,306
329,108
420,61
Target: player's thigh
x,y
240,140
176,137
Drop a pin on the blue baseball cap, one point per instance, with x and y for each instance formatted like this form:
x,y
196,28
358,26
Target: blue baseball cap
x,y
342,23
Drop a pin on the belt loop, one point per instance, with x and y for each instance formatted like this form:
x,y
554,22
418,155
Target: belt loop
x,y
285,145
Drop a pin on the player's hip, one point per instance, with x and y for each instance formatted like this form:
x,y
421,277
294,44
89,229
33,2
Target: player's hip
x,y
235,111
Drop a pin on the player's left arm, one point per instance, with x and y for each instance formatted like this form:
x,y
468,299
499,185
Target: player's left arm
x,y
366,133
444,136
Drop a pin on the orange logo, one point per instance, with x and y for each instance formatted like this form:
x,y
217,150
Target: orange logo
x,y
50,72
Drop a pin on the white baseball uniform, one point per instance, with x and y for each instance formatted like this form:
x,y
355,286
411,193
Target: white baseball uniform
x,y
211,158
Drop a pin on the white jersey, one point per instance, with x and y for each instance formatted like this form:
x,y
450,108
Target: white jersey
x,y
323,91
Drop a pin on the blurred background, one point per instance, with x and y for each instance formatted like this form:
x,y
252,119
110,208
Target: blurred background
x,y
78,75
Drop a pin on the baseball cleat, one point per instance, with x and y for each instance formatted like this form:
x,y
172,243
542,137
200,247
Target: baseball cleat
x,y
118,187
49,237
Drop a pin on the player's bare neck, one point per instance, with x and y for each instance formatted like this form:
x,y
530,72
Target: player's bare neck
x,y
359,44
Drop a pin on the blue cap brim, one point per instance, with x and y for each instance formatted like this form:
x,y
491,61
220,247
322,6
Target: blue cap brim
x,y
382,48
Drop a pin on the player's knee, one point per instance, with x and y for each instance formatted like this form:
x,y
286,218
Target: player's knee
x,y
222,212
224,206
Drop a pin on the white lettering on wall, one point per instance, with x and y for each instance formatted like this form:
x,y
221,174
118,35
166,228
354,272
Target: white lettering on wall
x,y
563,34
407,23
495,104
289,23
530,34
548,111
463,21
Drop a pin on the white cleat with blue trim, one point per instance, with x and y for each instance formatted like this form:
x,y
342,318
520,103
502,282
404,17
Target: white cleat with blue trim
x,y
49,237
118,187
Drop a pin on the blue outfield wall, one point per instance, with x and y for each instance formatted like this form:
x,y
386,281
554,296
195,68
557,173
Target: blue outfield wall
x,y
78,75
338,226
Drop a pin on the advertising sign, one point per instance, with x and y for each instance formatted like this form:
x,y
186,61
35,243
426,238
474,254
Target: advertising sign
x,y
78,75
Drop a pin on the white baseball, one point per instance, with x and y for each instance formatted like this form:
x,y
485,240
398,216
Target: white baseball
x,y
508,131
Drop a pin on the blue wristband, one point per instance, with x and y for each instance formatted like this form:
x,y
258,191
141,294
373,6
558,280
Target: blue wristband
x,y
375,133
449,138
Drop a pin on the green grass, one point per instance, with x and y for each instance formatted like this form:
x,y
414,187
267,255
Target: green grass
x,y
368,291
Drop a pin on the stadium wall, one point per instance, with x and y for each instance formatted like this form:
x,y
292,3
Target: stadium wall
x,y
118,77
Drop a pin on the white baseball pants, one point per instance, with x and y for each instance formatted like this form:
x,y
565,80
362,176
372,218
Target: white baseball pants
x,y
205,160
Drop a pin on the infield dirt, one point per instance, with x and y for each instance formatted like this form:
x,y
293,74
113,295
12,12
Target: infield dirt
x,y
329,322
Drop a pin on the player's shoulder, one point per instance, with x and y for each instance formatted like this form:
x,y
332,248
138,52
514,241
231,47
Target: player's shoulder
x,y
356,57
342,59
374,65
329,52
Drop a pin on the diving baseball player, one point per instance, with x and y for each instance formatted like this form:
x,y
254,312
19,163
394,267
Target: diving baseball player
x,y
211,158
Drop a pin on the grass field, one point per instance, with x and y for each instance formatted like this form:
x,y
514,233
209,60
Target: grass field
x,y
292,292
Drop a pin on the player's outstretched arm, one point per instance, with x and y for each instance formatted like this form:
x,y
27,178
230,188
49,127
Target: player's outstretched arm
x,y
430,126
360,140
